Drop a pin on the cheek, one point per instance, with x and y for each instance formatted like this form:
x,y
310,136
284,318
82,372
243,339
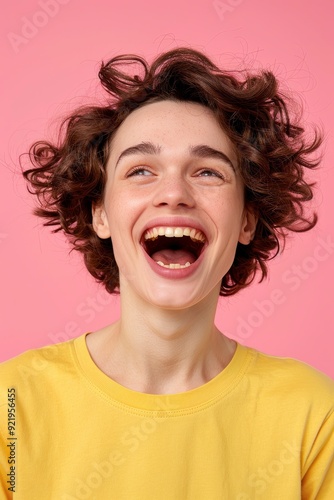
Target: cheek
x,y
122,215
125,206
228,210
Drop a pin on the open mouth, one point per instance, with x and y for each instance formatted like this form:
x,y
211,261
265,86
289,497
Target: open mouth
x,y
173,247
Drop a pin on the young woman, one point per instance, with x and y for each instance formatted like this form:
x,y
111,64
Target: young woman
x,y
176,191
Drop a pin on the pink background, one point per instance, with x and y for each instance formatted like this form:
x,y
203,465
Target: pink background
x,y
51,52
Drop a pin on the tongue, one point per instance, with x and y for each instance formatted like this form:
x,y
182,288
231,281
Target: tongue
x,y
173,257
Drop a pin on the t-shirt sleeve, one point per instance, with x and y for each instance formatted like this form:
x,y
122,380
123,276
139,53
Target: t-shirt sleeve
x,y
318,470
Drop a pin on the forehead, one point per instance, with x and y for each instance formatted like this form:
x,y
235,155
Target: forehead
x,y
171,124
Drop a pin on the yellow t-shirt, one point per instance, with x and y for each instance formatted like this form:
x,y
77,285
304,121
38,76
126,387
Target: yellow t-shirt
x,y
263,428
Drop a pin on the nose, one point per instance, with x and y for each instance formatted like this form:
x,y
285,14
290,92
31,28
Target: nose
x,y
174,191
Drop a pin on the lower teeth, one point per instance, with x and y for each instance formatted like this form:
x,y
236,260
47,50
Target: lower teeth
x,y
173,266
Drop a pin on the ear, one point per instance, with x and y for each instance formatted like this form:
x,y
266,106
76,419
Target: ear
x,y
248,227
100,222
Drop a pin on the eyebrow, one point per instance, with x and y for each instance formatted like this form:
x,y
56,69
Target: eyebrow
x,y
144,148
203,151
200,151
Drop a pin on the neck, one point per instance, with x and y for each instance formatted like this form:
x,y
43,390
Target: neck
x,y
163,351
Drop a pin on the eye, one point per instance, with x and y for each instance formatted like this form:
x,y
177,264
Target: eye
x,y
208,172
142,171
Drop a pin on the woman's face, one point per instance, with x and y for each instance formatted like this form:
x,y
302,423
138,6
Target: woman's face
x,y
173,204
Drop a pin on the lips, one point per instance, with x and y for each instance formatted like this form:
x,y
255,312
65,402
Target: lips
x,y
173,247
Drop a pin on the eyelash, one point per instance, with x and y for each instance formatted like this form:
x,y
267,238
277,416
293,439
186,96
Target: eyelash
x,y
215,173
136,170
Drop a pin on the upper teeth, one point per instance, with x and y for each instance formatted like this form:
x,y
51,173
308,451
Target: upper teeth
x,y
174,232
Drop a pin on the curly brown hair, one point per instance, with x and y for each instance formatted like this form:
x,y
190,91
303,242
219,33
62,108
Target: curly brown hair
x,y
273,155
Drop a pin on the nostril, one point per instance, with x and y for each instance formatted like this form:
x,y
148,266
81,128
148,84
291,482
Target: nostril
x,y
173,201
174,194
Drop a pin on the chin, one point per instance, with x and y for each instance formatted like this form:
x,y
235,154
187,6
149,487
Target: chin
x,y
178,298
